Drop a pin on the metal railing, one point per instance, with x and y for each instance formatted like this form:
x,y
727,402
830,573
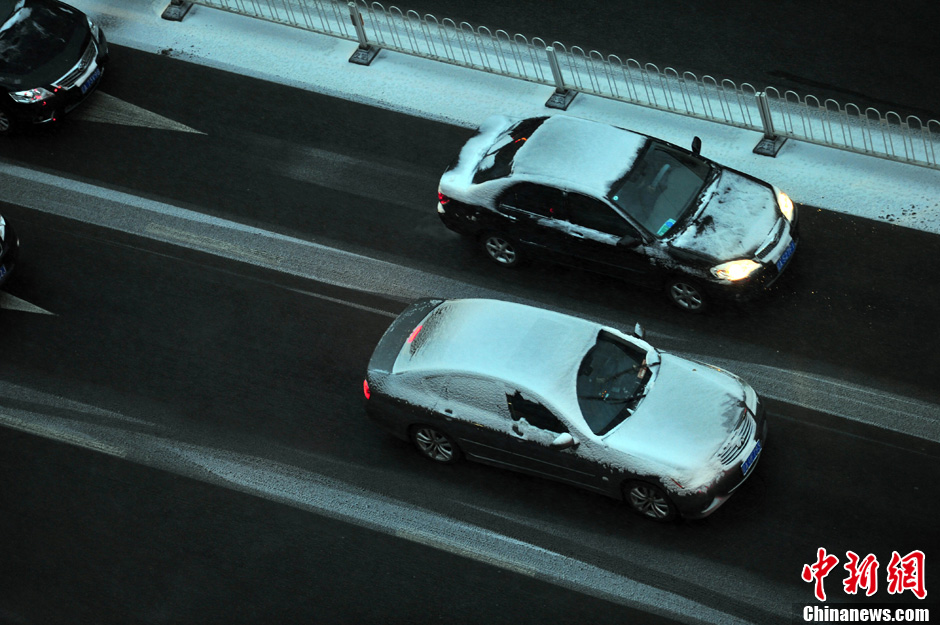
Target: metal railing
x,y
827,122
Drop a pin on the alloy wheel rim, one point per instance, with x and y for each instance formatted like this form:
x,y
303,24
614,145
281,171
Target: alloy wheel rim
x,y
649,502
4,122
501,250
686,296
434,445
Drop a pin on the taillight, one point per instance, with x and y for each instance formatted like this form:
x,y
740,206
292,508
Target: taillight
x,y
414,333
443,199
365,389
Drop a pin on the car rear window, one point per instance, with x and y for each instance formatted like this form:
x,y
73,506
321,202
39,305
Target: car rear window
x,y
498,161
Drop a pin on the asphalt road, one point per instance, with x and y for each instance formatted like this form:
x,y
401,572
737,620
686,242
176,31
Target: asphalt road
x,y
206,351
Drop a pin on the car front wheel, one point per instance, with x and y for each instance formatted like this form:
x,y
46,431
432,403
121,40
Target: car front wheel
x,y
686,294
501,249
434,444
650,501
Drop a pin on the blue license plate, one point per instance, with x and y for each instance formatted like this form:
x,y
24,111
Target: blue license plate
x,y
787,253
750,459
91,80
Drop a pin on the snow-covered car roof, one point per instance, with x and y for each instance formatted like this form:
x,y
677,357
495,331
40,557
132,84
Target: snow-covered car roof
x,y
578,154
567,152
535,349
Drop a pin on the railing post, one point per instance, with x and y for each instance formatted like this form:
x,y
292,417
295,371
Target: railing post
x,y
770,144
364,53
176,10
562,97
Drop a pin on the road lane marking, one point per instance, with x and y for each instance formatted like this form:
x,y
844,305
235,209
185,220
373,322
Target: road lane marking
x,y
337,300
105,108
321,494
316,261
11,302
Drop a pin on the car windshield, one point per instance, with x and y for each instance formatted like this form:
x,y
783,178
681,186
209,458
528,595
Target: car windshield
x,y
498,161
611,381
662,186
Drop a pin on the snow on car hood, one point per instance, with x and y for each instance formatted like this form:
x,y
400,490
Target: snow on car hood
x,y
39,42
735,219
688,413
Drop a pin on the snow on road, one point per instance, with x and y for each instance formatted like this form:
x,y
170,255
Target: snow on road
x,y
888,191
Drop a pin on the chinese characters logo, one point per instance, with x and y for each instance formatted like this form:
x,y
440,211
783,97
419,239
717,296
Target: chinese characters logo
x,y
903,573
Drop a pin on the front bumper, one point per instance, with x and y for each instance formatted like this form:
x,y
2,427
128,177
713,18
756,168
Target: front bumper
x,y
64,98
727,487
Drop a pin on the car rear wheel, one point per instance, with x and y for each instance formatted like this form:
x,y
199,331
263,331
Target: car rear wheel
x,y
434,444
501,249
6,123
650,501
686,294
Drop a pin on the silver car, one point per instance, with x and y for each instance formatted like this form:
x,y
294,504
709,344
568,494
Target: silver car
x,y
564,398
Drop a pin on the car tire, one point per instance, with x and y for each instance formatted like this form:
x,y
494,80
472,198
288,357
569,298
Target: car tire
x,y
434,444
686,294
501,249
7,124
650,501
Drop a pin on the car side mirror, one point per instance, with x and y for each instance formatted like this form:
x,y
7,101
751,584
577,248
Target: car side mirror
x,y
638,331
696,146
564,441
628,242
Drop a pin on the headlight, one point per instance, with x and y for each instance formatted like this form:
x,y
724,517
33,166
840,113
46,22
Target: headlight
x,y
735,270
785,204
93,27
31,95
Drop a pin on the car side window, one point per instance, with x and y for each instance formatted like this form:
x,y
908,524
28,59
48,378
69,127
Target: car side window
x,y
594,214
535,198
478,395
534,413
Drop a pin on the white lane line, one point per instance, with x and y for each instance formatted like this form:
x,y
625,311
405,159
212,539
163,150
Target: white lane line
x,y
106,108
164,222
713,576
320,494
16,392
336,300
836,397
11,302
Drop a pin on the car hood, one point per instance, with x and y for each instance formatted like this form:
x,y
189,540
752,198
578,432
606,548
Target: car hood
x,y
689,412
735,217
39,43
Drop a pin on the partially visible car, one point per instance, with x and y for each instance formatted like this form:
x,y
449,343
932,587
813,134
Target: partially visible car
x,y
9,248
567,399
618,202
52,56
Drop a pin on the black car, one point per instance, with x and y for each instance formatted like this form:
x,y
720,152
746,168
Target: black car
x,y
618,202
9,246
52,56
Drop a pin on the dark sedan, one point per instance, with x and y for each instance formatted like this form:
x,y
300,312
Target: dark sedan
x,y
563,398
9,248
618,202
52,56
